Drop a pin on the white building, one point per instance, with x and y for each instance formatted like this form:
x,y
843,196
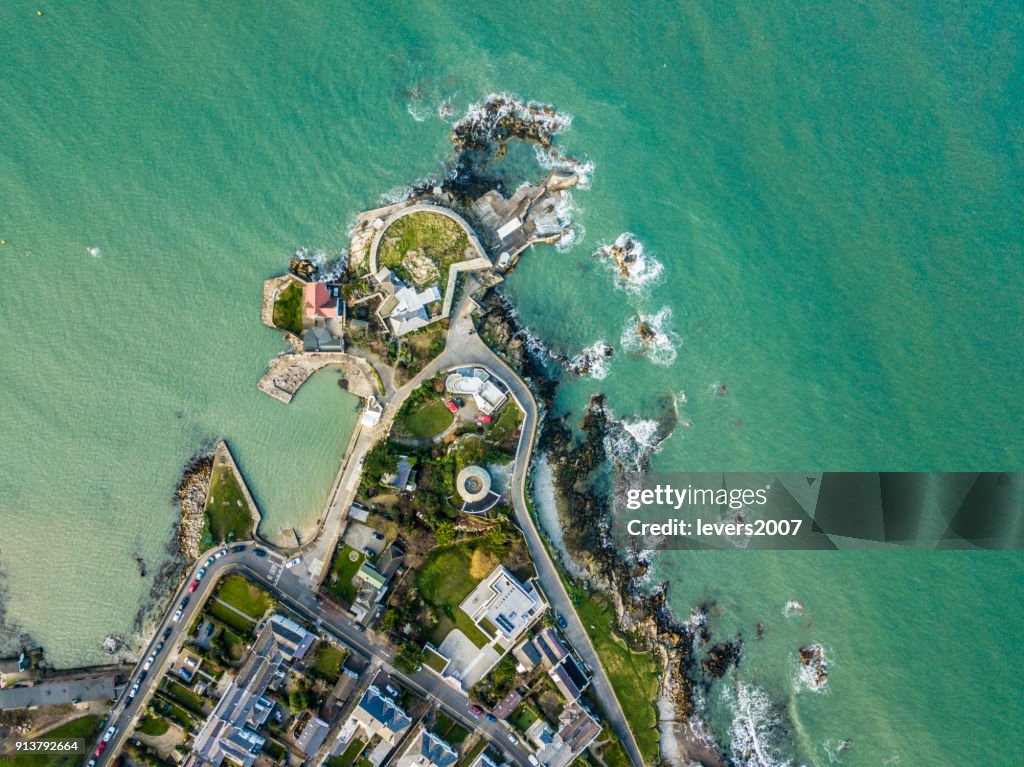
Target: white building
x,y
480,385
506,604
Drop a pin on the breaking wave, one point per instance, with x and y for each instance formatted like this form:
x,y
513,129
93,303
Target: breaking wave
x,y
755,729
631,442
549,159
812,670
594,361
501,116
793,608
635,269
94,252
328,269
651,335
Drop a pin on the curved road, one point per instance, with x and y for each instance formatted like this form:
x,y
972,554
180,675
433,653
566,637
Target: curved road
x,y
295,588
292,592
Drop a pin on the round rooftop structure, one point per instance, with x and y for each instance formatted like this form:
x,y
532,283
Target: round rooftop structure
x,y
473,484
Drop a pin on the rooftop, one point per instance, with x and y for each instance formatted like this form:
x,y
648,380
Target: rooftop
x,y
317,300
504,601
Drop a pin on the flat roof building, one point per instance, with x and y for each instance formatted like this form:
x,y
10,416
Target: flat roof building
x,y
487,391
504,602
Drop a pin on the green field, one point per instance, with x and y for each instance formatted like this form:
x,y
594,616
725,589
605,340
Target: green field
x,y
153,725
524,715
431,235
345,567
288,309
184,696
444,581
633,674
85,727
227,513
434,660
230,617
238,592
327,661
349,755
429,420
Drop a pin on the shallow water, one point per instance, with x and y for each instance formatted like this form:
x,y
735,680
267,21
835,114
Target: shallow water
x,y
834,195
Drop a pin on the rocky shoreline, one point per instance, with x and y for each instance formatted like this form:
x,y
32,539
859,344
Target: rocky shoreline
x,y
190,496
581,482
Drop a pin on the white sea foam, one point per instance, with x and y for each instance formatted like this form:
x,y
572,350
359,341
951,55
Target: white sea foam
x,y
94,252
754,727
594,361
572,233
793,608
806,677
484,116
631,442
635,269
551,159
418,110
658,342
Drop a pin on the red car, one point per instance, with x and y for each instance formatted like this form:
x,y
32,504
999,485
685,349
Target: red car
x,y
450,404
476,710
193,587
100,749
484,419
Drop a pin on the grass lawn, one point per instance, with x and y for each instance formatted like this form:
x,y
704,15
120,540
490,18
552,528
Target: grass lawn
x,y
238,592
344,566
184,696
227,514
327,661
230,617
509,420
234,645
431,235
85,727
349,755
449,730
431,419
434,660
613,755
288,309
169,708
444,581
633,675
153,725
524,715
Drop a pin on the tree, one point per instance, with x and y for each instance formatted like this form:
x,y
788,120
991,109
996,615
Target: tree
x,y
444,533
409,658
298,700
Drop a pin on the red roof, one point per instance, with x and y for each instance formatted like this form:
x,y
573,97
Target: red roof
x,y
318,300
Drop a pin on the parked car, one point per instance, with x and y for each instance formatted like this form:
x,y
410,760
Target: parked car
x,y
208,562
167,632
492,718
134,691
221,553
369,552
561,620
100,749
210,628
92,763
201,573
513,739
193,586
259,552
184,602
533,760
109,733
484,419
476,710
149,662
450,404
292,562
459,401
238,548
158,648
143,675
377,536
177,616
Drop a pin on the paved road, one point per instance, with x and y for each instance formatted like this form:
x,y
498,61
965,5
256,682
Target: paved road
x,y
295,588
290,588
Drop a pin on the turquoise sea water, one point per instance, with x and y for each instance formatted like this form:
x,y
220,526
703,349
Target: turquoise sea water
x,y
834,194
